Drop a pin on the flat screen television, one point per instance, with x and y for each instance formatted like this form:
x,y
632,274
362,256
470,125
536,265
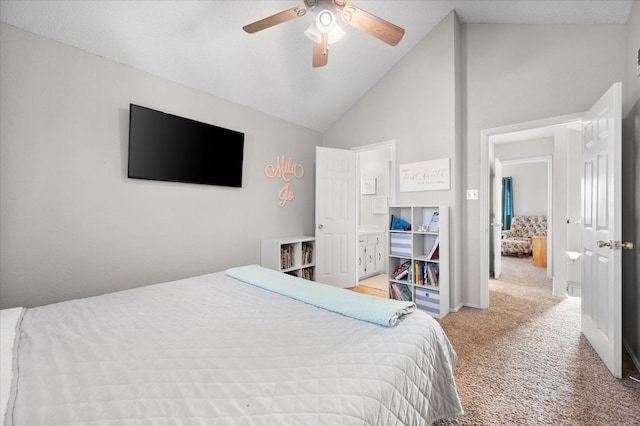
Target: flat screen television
x,y
170,148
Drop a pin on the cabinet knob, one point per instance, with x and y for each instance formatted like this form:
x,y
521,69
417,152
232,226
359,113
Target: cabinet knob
x,y
320,226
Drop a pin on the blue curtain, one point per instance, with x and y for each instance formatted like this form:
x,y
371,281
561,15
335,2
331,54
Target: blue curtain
x,y
507,203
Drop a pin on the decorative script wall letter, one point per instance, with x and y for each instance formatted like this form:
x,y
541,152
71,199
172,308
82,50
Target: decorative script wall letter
x,y
284,168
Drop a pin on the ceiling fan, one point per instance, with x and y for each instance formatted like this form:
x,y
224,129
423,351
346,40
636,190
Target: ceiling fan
x,y
324,29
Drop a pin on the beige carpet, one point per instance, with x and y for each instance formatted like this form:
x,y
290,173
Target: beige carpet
x,y
524,361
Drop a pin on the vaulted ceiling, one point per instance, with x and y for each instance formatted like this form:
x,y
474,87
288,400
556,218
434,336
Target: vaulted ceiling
x,y
201,44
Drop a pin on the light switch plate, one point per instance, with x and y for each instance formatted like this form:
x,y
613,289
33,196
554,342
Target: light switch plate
x,y
472,194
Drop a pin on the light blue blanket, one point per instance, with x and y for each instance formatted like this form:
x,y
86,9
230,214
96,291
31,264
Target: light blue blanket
x,y
385,312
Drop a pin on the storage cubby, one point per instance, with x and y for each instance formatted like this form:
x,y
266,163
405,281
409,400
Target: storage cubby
x,y
294,256
419,256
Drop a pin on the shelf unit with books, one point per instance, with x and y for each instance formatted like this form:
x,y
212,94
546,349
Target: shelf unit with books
x,y
419,257
293,255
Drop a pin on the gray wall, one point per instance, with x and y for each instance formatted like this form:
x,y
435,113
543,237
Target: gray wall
x,y
529,179
522,73
631,187
374,163
73,225
505,74
508,74
529,182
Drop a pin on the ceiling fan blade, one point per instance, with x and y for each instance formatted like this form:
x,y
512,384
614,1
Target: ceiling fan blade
x,y
320,51
278,18
377,27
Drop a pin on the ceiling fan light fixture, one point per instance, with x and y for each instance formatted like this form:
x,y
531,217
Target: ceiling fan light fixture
x,y
325,21
315,35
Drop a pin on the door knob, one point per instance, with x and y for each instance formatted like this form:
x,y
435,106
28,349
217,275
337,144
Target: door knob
x,y
616,245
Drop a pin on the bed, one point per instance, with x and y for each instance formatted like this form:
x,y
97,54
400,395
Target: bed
x,y
222,349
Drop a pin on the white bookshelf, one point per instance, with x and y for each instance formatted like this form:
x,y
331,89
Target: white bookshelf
x,y
426,281
293,255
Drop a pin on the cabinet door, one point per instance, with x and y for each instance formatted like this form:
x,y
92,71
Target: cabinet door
x,y
380,258
370,252
362,263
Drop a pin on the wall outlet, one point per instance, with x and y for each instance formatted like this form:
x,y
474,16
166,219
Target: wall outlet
x,y
472,194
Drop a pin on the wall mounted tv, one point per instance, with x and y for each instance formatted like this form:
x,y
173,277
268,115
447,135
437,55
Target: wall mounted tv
x,y
169,148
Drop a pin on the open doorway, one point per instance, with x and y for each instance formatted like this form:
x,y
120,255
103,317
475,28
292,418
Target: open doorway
x,y
558,130
375,193
524,230
338,205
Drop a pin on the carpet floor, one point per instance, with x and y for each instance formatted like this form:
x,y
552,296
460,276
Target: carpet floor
x,y
524,360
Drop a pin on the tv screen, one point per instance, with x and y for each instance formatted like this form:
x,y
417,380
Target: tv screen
x,y
169,148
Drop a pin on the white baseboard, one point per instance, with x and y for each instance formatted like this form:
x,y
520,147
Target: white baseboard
x,y
457,308
470,305
574,290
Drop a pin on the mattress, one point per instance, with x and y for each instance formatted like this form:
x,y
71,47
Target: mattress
x,y
213,350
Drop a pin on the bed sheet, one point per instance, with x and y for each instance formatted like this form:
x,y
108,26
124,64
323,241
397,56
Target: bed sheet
x,y
211,350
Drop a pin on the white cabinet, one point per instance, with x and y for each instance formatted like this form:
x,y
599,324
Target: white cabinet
x,y
381,258
294,256
362,256
419,257
371,259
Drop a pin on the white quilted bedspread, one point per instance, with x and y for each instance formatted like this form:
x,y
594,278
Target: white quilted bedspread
x,y
211,350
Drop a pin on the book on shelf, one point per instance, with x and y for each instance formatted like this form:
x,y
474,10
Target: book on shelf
x,y
287,254
434,253
432,275
393,292
402,270
307,274
401,292
434,224
307,254
419,273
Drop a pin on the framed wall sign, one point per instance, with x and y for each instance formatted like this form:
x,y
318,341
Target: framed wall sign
x,y
425,176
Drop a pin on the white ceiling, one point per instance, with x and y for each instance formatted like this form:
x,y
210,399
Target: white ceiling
x,y
201,44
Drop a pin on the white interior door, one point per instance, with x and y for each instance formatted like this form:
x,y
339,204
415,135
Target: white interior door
x,y
496,224
601,228
336,221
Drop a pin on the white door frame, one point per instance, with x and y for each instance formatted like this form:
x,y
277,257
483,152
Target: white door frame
x,y
496,221
392,178
487,138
